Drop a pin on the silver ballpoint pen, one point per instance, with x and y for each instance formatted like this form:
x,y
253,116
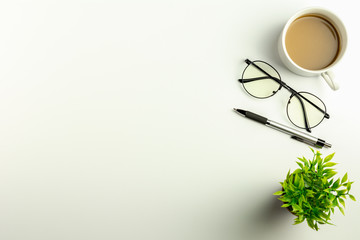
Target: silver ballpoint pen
x,y
294,133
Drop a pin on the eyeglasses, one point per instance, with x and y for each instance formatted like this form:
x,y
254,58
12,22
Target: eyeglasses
x,y
304,109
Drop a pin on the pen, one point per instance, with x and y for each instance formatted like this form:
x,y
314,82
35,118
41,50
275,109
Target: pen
x,y
294,133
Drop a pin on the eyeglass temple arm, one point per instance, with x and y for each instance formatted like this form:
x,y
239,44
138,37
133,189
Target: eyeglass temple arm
x,y
314,105
287,87
307,127
264,72
295,93
247,80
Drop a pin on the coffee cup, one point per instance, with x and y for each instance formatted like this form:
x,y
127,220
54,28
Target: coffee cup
x,y
312,42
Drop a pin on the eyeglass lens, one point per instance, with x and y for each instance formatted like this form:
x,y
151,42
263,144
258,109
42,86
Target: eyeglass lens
x,y
295,110
257,83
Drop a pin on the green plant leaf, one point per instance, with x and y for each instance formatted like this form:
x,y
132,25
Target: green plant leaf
x,y
303,159
341,210
330,174
316,227
309,193
310,223
278,193
301,182
352,197
296,207
326,216
322,195
329,164
342,201
283,198
328,158
285,205
330,223
335,203
341,192
331,197
344,179
348,186
300,165
288,174
318,159
301,218
336,184
291,187
324,180
297,179
284,185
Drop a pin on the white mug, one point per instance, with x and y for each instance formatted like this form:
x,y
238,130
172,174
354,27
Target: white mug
x,y
325,72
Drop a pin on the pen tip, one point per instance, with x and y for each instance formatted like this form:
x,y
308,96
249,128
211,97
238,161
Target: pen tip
x,y
240,111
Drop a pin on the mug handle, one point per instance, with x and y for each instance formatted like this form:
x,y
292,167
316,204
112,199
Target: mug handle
x,y
329,78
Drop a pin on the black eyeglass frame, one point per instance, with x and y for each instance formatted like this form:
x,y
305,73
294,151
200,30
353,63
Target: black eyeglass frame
x,y
293,92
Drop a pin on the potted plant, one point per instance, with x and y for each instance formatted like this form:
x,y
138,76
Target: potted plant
x,y
312,193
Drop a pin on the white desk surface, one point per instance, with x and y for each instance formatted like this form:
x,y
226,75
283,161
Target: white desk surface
x,y
117,122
